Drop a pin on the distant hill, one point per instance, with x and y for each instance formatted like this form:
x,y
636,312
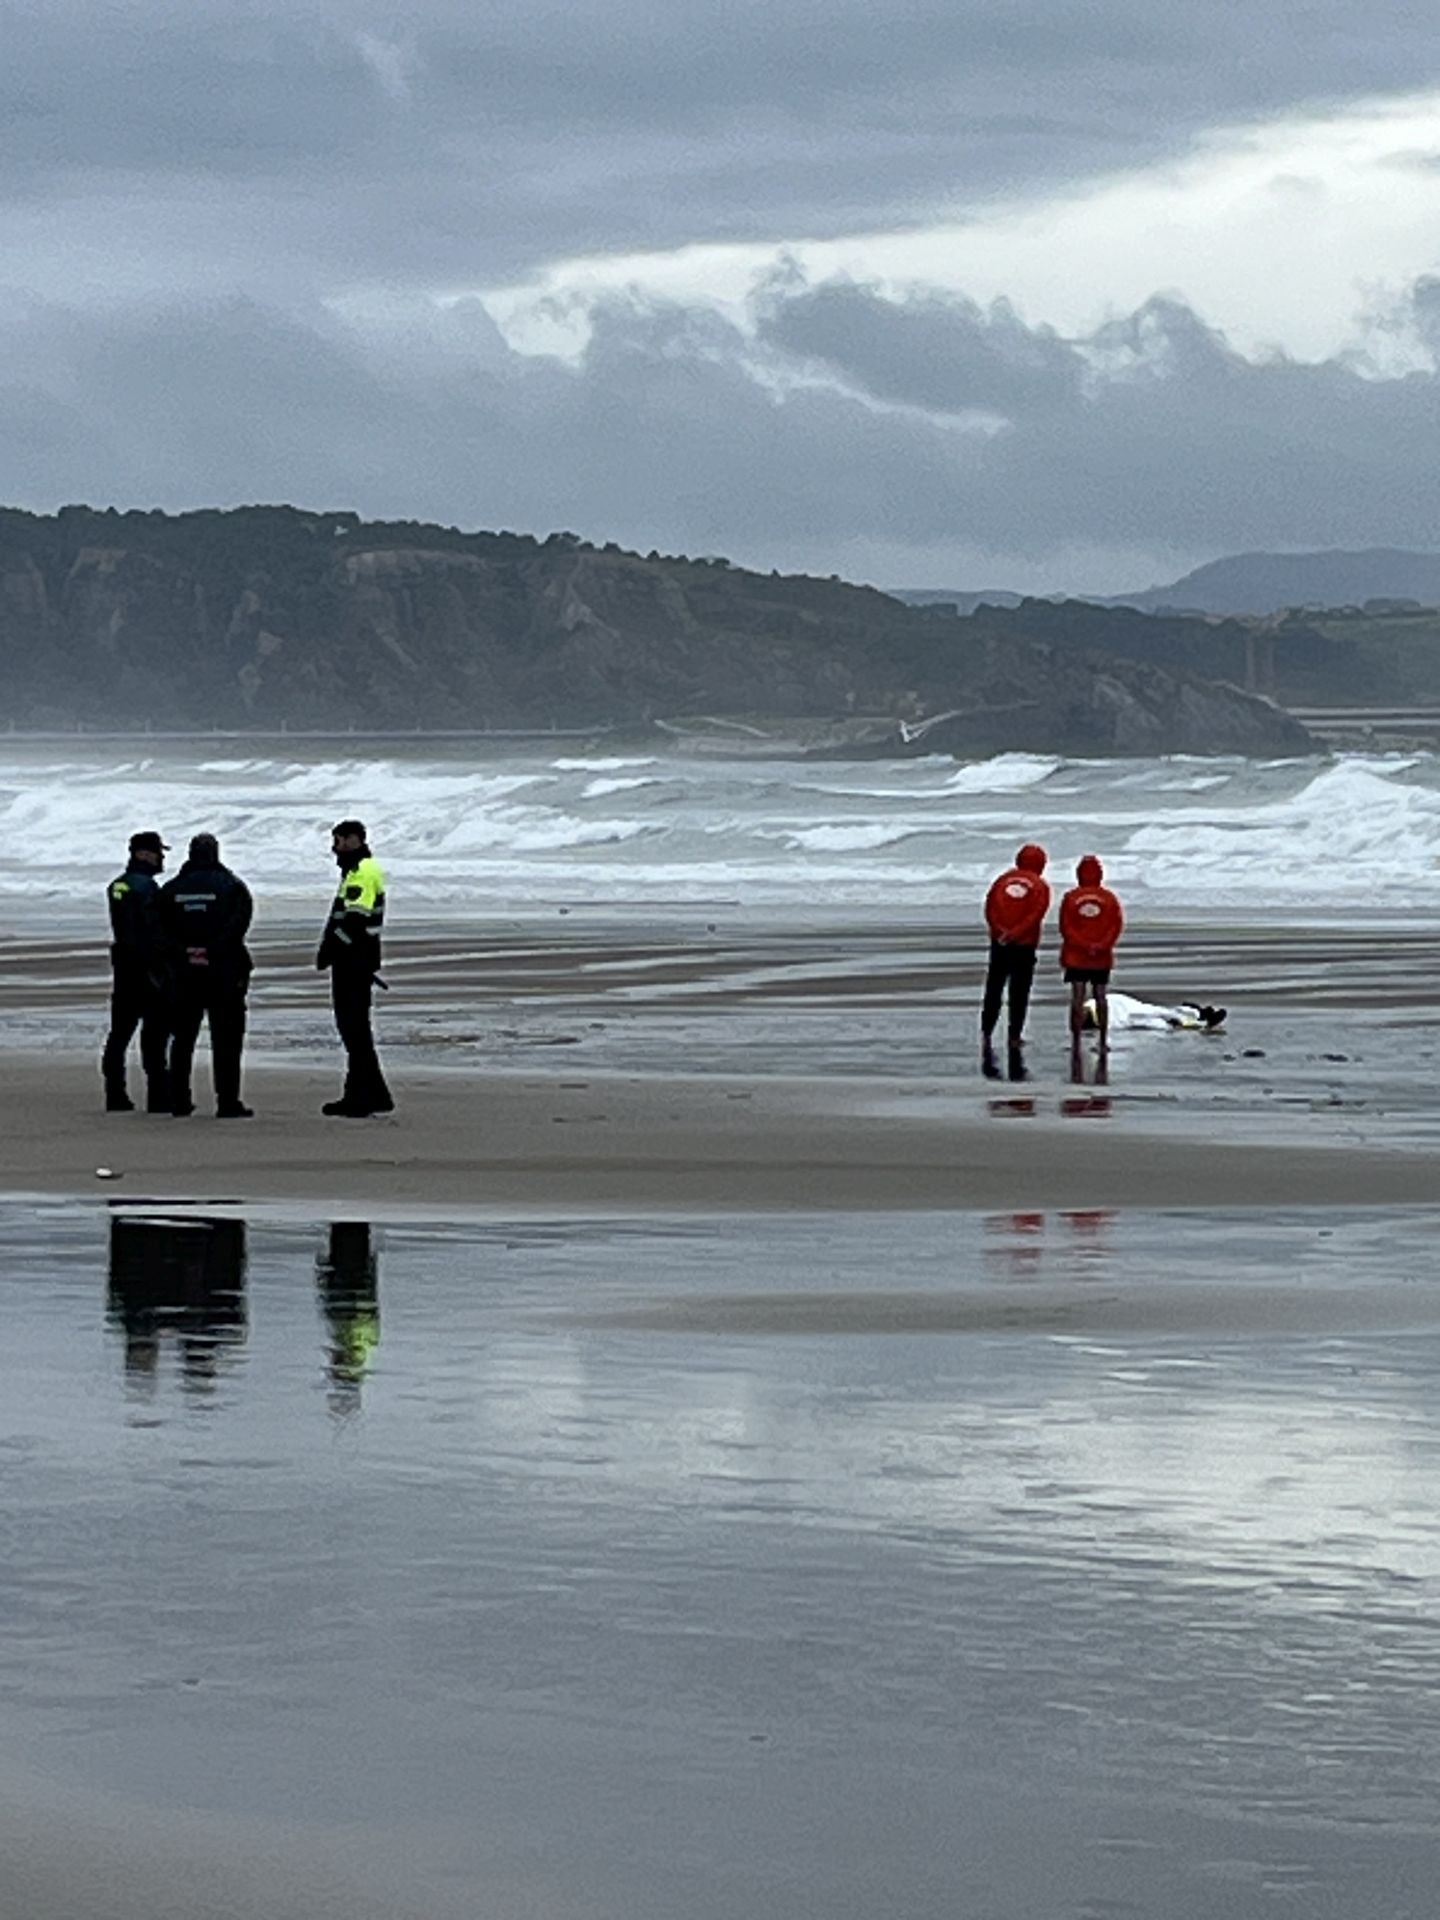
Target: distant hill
x,y
1386,654
266,617
961,602
1255,583
1270,582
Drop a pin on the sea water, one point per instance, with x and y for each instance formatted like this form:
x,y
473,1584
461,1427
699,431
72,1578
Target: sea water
x,y
468,830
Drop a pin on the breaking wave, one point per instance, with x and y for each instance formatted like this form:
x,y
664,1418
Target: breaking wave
x,y
464,835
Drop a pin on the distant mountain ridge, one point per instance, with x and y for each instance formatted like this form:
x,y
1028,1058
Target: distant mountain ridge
x,y
260,618
1250,583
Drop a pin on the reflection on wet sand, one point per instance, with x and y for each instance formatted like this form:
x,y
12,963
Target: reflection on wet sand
x,y
1017,1245
347,1273
603,1618
182,1280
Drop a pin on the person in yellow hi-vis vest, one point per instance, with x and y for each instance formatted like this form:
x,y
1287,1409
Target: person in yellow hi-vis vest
x,y
350,951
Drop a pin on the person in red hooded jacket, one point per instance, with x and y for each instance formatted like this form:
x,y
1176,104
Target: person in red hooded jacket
x,y
1091,922
1015,909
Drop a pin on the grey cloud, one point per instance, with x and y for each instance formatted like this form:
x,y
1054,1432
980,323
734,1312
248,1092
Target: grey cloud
x,y
683,431
932,351
320,144
1422,310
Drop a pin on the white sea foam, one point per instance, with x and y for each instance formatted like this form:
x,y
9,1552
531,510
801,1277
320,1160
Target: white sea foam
x,y
528,830
602,789
1354,829
861,837
598,766
506,832
1006,773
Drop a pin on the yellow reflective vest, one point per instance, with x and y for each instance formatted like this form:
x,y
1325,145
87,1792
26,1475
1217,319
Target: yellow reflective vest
x,y
352,933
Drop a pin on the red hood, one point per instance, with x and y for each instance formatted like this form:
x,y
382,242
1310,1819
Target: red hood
x,y
1089,872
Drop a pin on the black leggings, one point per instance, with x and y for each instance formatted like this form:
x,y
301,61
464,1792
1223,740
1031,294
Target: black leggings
x,y
1012,967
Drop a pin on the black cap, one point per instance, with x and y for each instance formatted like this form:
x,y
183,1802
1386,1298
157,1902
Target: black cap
x,y
147,843
357,827
204,846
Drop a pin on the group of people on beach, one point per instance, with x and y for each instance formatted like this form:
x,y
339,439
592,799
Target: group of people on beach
x,y
179,959
1091,923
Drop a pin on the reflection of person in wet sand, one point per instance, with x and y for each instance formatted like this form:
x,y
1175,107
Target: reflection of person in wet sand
x,y
348,1276
183,1278
1142,1016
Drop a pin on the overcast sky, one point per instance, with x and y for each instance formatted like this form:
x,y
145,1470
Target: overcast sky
x,y
930,292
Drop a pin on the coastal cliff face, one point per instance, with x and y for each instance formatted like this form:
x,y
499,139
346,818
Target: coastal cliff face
x,y
269,617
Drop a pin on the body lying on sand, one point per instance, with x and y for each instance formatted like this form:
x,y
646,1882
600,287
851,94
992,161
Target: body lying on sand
x,y
1091,923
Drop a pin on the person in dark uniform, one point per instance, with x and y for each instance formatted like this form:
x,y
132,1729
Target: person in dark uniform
x,y
140,989
207,912
350,951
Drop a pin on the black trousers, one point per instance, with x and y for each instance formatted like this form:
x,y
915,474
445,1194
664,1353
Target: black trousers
x,y
222,1003
351,993
1012,969
136,1002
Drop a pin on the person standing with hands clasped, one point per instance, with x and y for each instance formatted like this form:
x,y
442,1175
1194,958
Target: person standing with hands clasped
x,y
206,911
350,952
1015,909
1091,922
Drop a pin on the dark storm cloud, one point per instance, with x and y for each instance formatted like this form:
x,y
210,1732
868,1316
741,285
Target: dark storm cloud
x,y
328,142
681,431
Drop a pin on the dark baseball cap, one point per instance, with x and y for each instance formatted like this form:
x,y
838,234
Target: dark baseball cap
x,y
204,846
147,843
347,827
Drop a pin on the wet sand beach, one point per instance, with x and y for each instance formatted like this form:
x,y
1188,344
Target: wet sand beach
x,y
464,1141
521,1569
663,1062
712,1453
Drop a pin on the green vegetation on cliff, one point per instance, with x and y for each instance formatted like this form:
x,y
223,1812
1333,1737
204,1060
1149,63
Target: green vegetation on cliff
x,y
1380,655
268,616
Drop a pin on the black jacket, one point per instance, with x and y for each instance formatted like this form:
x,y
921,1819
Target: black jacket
x,y
206,912
137,935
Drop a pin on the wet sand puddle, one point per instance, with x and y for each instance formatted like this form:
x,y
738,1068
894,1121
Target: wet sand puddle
x,y
1032,1564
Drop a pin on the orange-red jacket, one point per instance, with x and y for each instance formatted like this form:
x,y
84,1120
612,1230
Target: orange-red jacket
x,y
1016,906
1091,922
